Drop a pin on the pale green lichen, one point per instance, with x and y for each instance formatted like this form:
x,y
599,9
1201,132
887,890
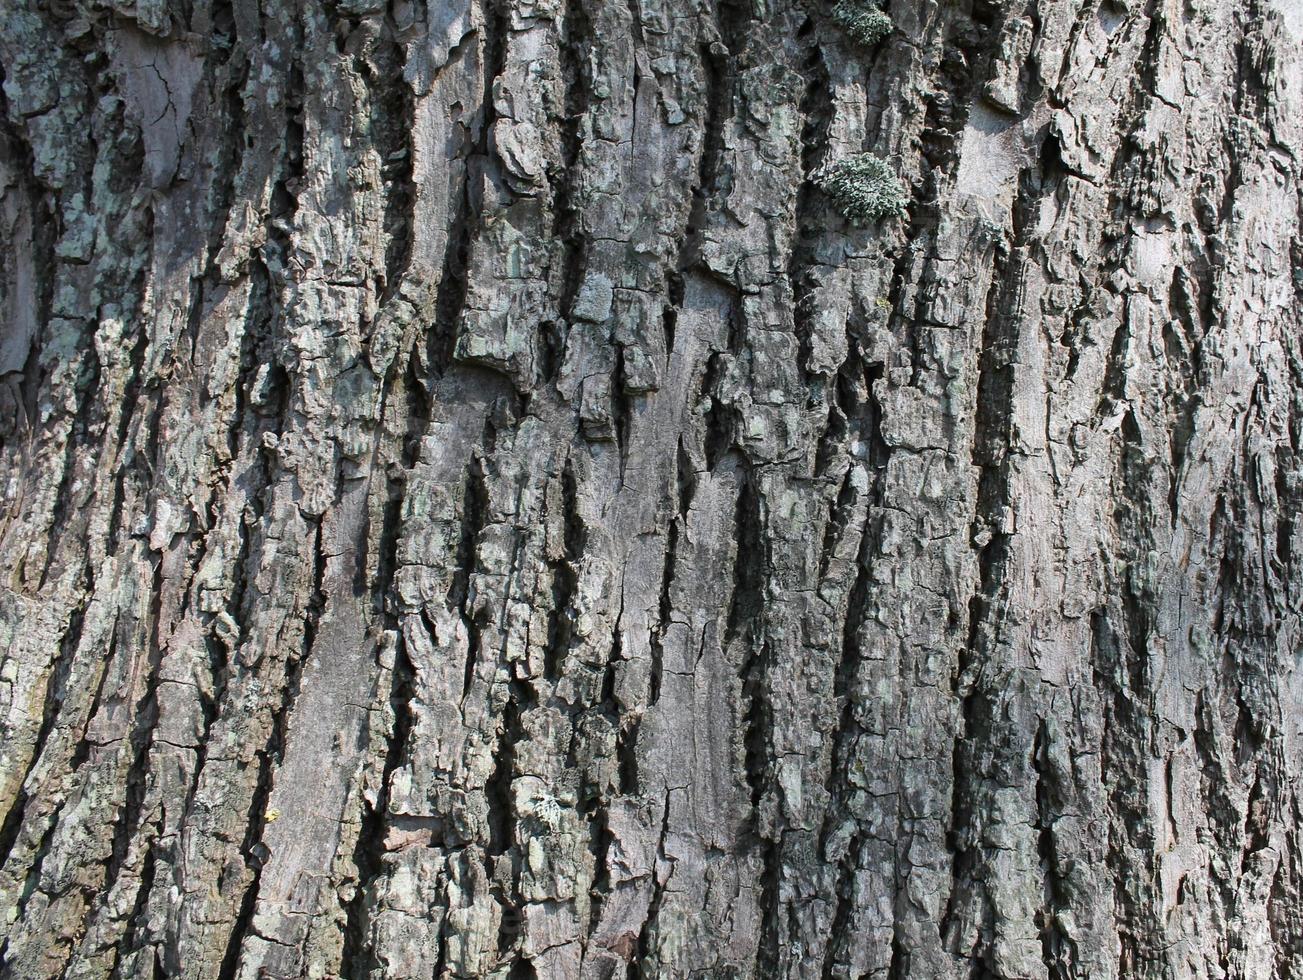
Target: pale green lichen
x,y
862,20
863,188
546,809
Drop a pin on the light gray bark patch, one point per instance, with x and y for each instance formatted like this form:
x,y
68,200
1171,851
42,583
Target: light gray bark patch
x,y
157,84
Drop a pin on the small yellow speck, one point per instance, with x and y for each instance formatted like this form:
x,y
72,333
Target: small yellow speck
x,y
273,815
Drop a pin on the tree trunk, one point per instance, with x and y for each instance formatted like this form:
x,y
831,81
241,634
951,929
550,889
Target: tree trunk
x,y
473,507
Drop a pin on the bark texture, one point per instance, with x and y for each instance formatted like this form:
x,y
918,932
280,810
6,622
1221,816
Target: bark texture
x,y
472,508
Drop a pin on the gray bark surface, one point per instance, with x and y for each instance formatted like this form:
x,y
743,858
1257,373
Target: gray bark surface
x,y
471,507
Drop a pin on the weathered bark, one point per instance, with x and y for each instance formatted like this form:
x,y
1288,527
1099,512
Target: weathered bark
x,y
472,508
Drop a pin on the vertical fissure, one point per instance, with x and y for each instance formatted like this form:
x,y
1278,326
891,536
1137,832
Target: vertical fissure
x,y
472,519
358,957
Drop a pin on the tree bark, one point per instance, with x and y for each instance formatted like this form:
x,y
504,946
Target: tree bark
x,y
472,507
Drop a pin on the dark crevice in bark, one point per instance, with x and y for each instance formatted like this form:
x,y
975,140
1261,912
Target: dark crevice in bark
x,y
802,270
472,519
1182,348
141,742
665,608
226,82
84,745
600,840
1289,457
123,160
256,330
845,743
569,228
769,952
384,601
84,422
565,578
609,706
978,710
33,878
37,854
55,695
718,437
454,282
227,631
1056,945
719,71
290,176
863,414
900,325
833,441
898,969
723,418
745,626
441,944
115,508
137,918
839,516
130,408
626,753
645,962
948,104
359,957
1256,819
685,481
502,819
635,24
978,693
1286,926
1218,802
1123,765
856,420
393,123
622,403
963,65
674,294
1138,601
593,801
1138,167
497,791
746,607
840,937
244,915
419,408
269,758
16,155
735,20
1074,337
450,300
758,719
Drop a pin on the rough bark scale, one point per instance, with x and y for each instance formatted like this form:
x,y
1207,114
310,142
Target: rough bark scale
x,y
471,508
